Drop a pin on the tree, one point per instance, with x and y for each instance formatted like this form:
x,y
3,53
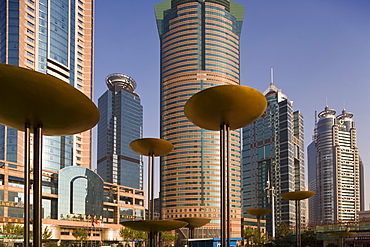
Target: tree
x,y
284,234
10,232
128,234
46,234
308,237
80,234
251,234
167,238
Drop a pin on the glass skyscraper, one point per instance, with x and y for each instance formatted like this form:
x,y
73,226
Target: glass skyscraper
x,y
199,49
52,37
337,170
273,160
121,122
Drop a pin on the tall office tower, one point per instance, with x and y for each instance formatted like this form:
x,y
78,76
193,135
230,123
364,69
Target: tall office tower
x,y
53,37
121,122
338,169
273,161
199,49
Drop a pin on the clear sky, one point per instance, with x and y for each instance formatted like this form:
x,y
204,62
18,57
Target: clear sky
x,y
319,50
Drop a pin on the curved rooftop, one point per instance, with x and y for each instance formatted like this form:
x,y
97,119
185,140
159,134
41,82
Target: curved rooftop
x,y
345,115
118,81
327,112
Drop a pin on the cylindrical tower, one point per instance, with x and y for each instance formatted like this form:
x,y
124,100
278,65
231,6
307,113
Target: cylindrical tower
x,y
199,49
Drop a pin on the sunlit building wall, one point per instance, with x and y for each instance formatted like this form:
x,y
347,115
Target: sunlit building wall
x,y
273,160
53,37
338,169
199,49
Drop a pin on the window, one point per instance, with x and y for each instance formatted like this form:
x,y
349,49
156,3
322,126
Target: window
x,y
30,9
30,31
30,46
30,62
30,39
29,54
30,24
30,16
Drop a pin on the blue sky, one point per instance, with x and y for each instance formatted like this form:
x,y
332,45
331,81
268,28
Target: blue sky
x,y
320,52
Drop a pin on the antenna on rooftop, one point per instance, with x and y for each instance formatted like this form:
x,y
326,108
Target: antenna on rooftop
x,y
271,76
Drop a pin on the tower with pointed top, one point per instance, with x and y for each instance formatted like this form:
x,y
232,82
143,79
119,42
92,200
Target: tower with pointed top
x,y
336,170
273,159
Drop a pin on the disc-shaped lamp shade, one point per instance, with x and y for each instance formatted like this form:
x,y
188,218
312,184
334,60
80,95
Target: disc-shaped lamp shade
x,y
195,222
154,225
341,234
297,195
258,211
151,146
234,105
27,96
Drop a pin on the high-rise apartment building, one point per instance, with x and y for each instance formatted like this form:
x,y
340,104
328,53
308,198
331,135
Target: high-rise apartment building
x,y
121,122
337,169
199,49
273,160
52,37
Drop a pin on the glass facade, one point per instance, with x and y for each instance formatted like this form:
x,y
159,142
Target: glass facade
x,y
273,158
121,121
199,49
42,35
80,193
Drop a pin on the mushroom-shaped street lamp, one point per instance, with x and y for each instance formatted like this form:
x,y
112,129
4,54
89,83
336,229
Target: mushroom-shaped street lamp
x,y
225,108
297,196
258,212
151,147
41,104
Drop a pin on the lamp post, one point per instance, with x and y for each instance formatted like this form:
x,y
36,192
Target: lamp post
x,y
225,108
152,147
258,212
41,104
297,196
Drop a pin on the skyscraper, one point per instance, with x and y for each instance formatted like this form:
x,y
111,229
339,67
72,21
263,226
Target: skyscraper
x,y
121,122
273,160
199,49
52,37
337,169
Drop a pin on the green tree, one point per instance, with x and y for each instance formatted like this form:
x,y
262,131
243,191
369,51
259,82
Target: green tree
x,y
308,237
10,232
46,234
128,234
251,236
167,238
80,234
283,236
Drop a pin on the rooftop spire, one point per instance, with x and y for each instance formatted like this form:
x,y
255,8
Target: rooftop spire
x,y
271,76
